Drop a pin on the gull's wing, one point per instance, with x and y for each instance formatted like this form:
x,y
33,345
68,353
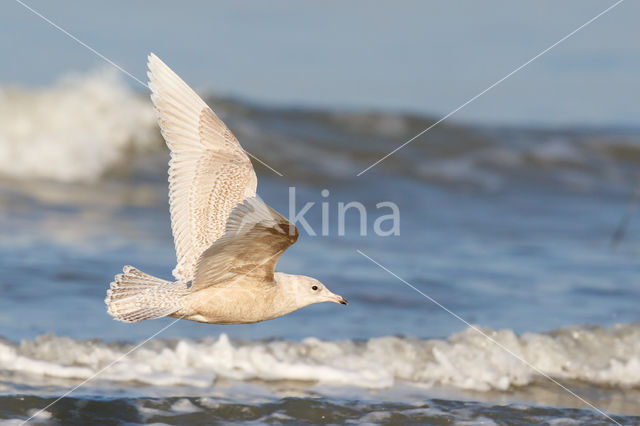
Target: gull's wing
x,y
255,237
209,172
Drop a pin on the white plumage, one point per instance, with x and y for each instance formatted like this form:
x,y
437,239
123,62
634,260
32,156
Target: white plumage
x,y
227,240
209,172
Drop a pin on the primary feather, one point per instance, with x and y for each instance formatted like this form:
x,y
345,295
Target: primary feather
x,y
209,172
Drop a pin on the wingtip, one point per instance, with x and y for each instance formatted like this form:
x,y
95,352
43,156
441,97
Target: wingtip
x,y
158,70
153,62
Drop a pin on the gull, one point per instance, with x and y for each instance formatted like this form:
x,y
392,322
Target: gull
x,y
227,239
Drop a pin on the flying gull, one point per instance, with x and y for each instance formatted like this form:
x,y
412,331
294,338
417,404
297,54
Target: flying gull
x,y
227,239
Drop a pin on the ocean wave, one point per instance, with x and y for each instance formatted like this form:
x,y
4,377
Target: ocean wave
x,y
290,410
87,126
466,360
75,131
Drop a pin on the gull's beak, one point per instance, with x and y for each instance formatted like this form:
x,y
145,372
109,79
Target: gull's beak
x,y
335,298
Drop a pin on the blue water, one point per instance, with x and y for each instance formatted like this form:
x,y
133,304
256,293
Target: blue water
x,y
529,262
519,242
507,212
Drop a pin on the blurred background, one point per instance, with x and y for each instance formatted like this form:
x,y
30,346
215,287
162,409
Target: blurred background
x,y
508,209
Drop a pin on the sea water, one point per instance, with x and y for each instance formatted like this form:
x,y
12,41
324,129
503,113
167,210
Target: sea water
x,y
507,229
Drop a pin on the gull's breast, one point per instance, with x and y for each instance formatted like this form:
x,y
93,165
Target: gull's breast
x,y
230,305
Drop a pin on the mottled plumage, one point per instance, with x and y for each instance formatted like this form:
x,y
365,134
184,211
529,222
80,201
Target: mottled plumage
x,y
227,240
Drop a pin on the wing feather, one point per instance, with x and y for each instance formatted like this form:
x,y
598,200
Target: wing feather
x,y
209,172
254,239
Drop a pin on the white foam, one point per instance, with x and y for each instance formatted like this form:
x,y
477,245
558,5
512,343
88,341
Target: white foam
x,y
184,406
37,414
466,360
75,130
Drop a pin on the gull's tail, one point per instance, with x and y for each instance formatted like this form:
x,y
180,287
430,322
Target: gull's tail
x,y
135,296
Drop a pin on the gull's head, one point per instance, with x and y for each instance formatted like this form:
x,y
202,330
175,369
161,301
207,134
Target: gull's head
x,y
308,291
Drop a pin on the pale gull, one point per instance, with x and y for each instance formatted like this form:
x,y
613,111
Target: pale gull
x,y
227,239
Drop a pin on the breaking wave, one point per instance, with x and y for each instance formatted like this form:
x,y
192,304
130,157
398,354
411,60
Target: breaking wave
x,y
75,131
465,360
89,125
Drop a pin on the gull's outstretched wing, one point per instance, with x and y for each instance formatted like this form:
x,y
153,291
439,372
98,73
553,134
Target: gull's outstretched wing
x,y
255,237
209,172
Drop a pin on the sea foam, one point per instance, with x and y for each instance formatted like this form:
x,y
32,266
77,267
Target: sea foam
x,y
466,360
74,131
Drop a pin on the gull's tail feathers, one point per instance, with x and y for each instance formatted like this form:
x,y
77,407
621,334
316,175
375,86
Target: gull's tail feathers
x,y
135,296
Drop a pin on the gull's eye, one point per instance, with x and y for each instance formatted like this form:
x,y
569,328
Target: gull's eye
x,y
314,288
